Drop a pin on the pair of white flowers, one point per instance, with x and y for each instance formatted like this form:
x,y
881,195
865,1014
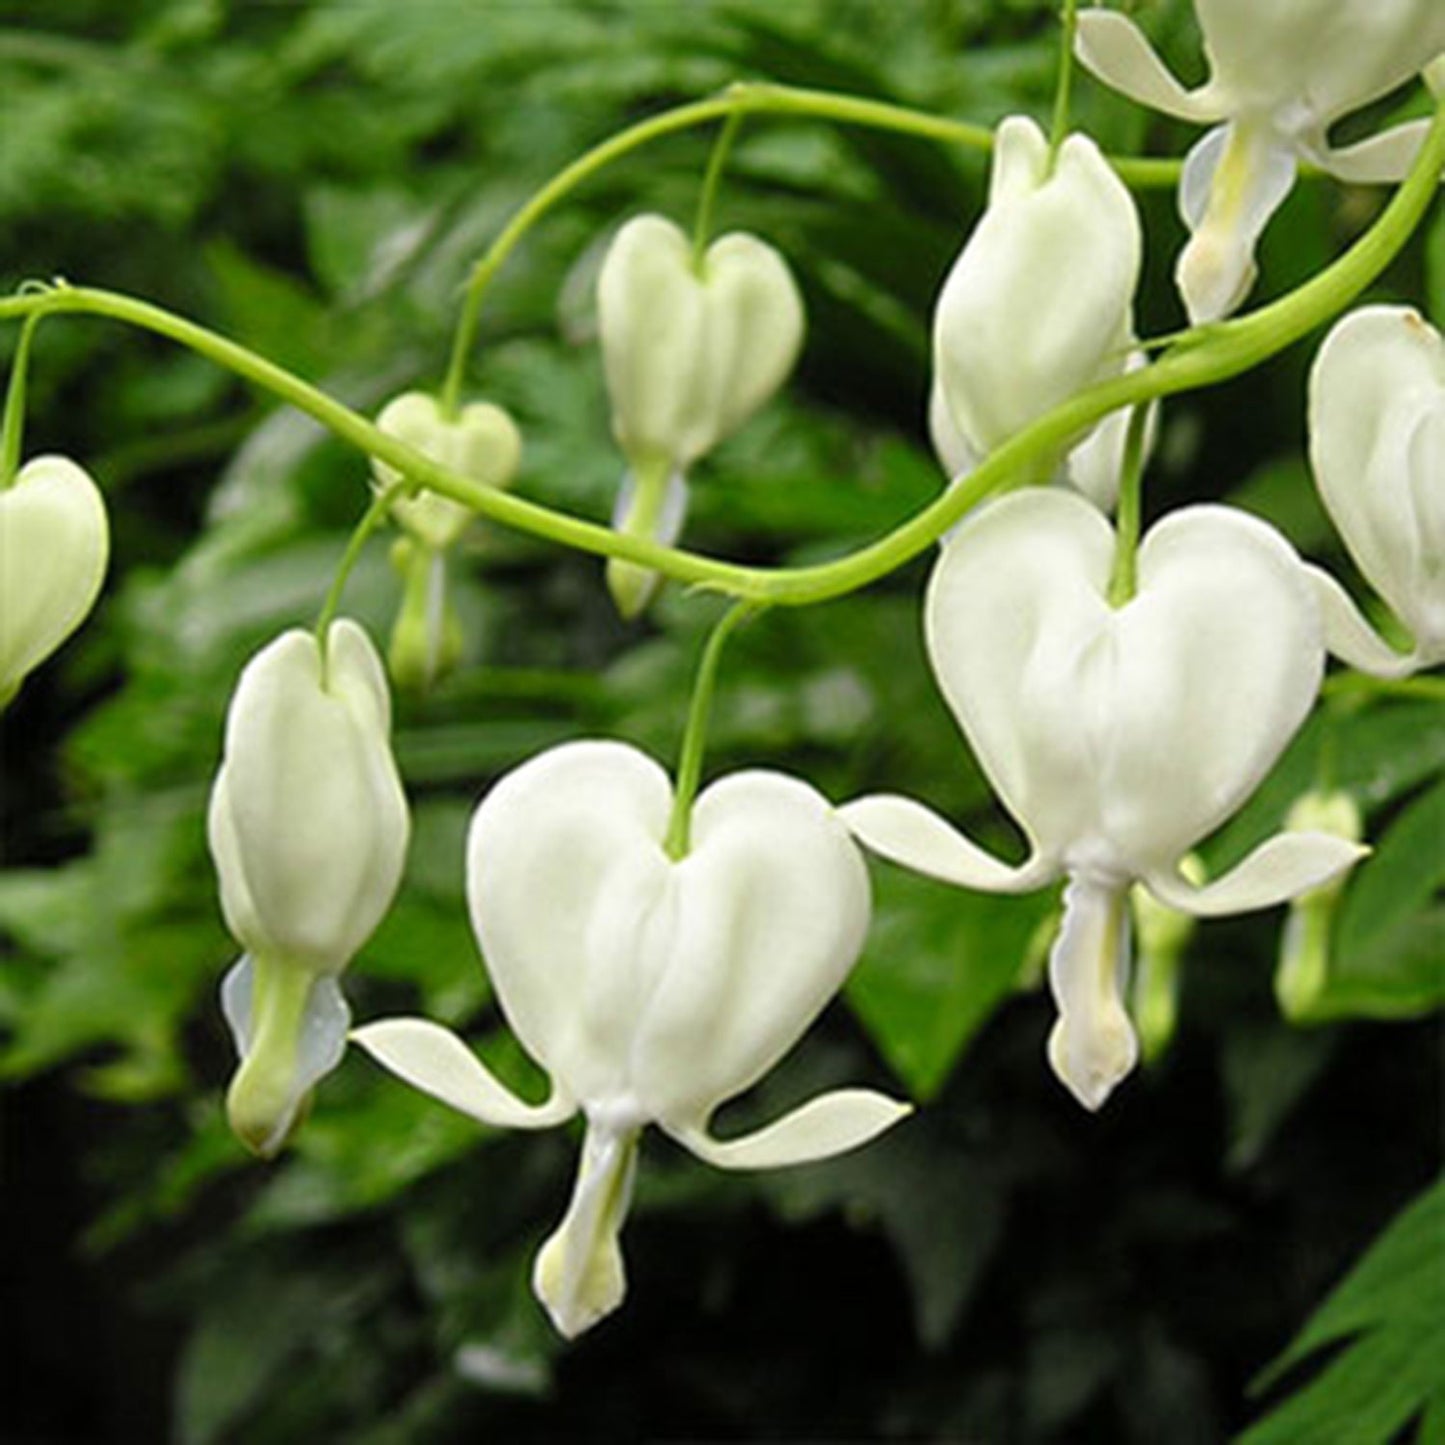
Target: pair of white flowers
x,y
650,988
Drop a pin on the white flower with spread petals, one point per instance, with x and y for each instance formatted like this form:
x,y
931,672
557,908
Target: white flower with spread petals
x,y
1038,306
1281,74
308,829
691,349
54,542
1117,737
1377,446
651,989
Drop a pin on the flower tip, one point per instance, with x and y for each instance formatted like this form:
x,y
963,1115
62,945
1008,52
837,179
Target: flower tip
x,y
1091,1067
263,1110
632,587
575,1305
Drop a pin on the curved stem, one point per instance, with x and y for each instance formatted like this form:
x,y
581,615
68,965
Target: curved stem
x,y
707,201
371,519
12,429
1059,127
1123,581
694,738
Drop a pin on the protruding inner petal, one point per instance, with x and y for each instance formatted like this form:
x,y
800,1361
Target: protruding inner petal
x,y
906,832
1380,159
1234,180
290,1031
1351,638
433,1059
1092,1046
1116,51
828,1125
651,504
578,1275
1281,868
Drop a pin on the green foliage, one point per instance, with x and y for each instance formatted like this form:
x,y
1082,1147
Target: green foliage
x,y
1391,1309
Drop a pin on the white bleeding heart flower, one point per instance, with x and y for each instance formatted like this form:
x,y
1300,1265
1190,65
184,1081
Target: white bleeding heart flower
x,y
1377,446
54,543
308,829
1117,737
691,349
1038,306
650,988
1281,74
481,442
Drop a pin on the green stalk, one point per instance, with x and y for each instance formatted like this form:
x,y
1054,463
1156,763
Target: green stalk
x,y
694,737
12,430
1123,581
711,183
1059,128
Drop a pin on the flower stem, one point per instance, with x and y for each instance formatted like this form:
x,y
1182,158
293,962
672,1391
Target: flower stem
x,y
711,182
1123,580
694,738
12,430
1059,128
371,519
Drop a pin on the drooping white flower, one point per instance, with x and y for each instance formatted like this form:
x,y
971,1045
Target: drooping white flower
x,y
1117,737
1038,306
690,351
308,828
1281,74
54,543
651,989
481,442
1377,446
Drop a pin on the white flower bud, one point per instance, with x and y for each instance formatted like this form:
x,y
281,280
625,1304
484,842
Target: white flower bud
x,y
691,352
308,829
482,442
54,543
1038,305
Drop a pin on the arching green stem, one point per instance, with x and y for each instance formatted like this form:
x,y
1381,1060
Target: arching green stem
x,y
12,429
1059,127
1123,580
694,738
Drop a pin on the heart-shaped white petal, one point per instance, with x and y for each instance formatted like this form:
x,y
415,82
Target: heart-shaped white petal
x,y
481,442
645,983
691,352
54,542
1377,445
1119,737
